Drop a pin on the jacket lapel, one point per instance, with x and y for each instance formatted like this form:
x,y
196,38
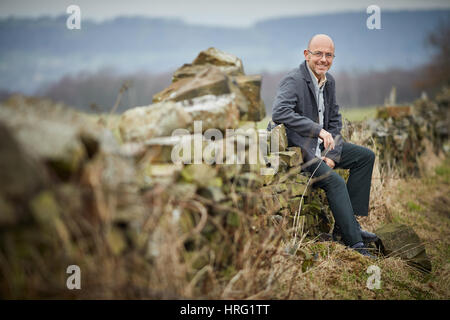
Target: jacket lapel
x,y
326,105
307,77
326,100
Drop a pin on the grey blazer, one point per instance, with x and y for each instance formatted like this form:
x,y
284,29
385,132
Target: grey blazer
x,y
295,106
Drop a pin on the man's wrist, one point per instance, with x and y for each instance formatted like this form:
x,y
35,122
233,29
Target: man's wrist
x,y
321,132
331,158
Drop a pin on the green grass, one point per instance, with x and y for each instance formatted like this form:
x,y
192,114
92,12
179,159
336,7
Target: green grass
x,y
443,171
263,123
359,114
412,206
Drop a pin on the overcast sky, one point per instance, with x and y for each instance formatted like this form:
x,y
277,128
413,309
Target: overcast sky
x,y
208,12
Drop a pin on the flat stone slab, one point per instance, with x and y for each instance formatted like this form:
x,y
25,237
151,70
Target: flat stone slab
x,y
400,240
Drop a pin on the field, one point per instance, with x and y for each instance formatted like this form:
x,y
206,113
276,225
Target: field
x,y
359,114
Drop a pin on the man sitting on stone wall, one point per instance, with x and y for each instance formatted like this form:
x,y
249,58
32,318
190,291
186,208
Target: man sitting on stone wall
x,y
306,105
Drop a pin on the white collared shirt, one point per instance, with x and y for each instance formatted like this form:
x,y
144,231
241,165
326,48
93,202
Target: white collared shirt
x,y
319,86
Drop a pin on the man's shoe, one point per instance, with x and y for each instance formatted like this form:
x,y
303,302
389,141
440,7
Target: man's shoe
x,y
360,247
366,235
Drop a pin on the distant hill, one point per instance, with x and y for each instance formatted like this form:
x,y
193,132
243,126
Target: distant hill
x,y
41,50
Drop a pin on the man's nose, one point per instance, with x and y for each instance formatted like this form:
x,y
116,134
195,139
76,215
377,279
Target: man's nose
x,y
322,58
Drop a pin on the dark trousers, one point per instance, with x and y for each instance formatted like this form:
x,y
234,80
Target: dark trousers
x,y
346,200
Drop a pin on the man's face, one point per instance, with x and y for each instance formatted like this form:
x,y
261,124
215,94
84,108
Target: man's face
x,y
318,61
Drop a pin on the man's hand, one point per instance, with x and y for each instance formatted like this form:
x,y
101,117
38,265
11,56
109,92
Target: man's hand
x,y
327,139
329,162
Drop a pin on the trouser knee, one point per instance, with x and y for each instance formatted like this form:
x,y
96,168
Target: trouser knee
x,y
333,181
369,155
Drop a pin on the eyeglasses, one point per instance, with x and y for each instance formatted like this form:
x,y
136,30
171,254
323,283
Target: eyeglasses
x,y
319,54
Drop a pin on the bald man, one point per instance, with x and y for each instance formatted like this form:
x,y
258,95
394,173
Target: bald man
x,y
306,105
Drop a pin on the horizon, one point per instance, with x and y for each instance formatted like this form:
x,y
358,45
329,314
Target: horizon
x,y
180,19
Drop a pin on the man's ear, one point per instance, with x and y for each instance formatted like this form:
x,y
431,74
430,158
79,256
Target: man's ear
x,y
305,53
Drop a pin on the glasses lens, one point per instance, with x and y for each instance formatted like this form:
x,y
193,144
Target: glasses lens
x,y
319,54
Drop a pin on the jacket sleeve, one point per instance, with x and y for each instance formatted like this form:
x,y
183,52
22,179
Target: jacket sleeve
x,y
335,118
334,127
284,110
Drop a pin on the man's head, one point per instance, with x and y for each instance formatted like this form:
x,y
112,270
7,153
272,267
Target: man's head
x,y
320,54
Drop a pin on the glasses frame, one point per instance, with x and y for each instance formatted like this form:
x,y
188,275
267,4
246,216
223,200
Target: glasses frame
x,y
315,53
